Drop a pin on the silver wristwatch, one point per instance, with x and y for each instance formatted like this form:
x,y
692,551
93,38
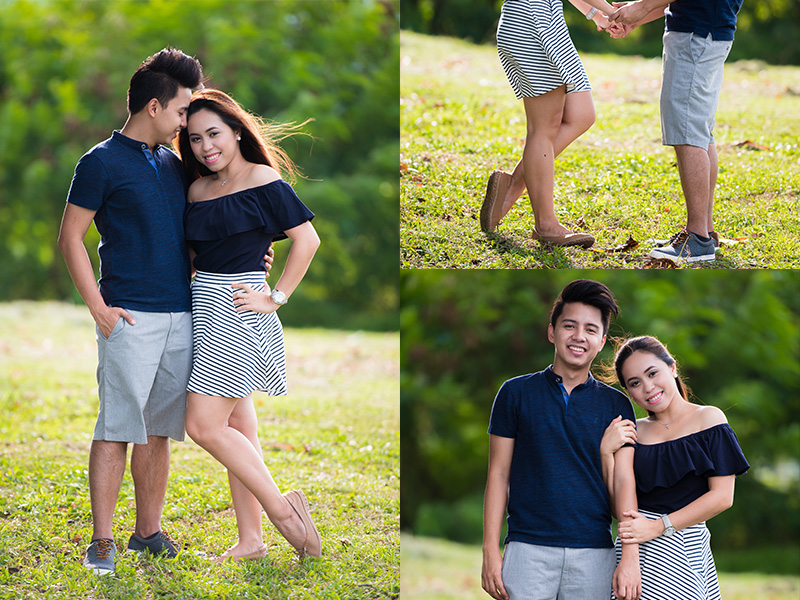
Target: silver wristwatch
x,y
279,298
668,528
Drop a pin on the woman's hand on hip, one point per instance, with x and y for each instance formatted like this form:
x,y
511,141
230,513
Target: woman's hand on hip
x,y
249,299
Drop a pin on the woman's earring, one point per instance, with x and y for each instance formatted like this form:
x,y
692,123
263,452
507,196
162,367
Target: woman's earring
x,y
238,138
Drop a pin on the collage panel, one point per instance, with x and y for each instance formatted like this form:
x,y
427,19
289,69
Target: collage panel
x,y
644,135
199,346
514,394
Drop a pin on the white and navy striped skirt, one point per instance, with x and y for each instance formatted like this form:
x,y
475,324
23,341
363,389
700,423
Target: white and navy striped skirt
x,y
678,567
234,353
535,48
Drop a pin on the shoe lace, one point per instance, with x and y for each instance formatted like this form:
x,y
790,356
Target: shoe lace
x,y
168,540
103,549
680,238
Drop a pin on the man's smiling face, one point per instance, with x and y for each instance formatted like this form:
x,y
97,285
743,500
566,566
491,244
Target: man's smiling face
x,y
577,336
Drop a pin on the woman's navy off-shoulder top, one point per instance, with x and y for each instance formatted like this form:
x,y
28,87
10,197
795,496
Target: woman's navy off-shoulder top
x,y
674,473
231,234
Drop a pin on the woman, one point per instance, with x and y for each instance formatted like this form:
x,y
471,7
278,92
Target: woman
x,y
237,205
545,71
685,463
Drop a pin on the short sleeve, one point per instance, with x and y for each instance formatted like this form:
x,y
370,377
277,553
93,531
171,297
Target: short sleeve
x,y
89,185
503,421
727,457
281,208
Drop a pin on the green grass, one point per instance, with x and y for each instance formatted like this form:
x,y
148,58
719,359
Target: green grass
x,y
440,570
336,436
460,121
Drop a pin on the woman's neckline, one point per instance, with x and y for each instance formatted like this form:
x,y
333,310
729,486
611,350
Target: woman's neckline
x,y
254,187
683,437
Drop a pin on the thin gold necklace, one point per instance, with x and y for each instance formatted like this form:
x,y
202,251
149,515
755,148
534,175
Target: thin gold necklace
x,y
675,419
231,176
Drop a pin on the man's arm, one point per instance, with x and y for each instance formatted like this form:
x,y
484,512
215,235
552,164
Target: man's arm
x,y
501,450
74,225
628,576
638,12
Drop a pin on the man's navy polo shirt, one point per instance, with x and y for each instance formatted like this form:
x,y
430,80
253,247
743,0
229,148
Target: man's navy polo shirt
x,y
556,492
717,17
144,261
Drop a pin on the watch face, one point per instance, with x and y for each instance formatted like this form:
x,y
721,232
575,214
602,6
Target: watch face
x,y
278,297
669,530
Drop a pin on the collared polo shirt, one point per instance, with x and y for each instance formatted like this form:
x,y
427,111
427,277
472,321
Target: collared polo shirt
x,y
557,496
138,202
717,17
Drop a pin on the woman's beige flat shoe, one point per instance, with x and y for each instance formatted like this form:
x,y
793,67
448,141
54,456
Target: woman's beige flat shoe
x,y
496,190
313,543
570,239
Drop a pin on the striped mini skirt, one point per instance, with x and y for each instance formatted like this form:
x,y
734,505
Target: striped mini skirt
x,y
678,567
234,353
535,49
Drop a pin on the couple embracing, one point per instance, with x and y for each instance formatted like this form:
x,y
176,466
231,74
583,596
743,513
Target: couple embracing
x,y
566,453
213,213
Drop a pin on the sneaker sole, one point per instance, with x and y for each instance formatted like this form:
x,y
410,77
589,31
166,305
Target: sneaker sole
x,y
99,572
680,259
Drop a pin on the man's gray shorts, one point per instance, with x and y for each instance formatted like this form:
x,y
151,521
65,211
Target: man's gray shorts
x,y
142,371
691,82
553,573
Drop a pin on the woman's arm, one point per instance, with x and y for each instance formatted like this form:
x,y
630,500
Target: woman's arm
x,y
717,499
617,434
627,580
501,450
305,242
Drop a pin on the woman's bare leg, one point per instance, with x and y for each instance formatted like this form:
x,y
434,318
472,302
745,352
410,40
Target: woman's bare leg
x,y
245,504
578,116
207,424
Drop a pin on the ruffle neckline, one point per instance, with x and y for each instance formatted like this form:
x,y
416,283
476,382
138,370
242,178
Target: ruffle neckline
x,y
273,206
706,453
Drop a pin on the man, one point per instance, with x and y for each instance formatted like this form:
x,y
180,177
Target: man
x,y
697,40
133,187
545,464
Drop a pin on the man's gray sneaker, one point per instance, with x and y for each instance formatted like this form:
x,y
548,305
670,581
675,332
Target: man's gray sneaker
x,y
100,557
660,243
157,543
687,247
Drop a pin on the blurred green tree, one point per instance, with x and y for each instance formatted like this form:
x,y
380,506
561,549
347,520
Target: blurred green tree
x,y
735,336
64,73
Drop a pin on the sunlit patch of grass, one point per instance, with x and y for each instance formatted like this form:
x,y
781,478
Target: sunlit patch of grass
x,y
460,121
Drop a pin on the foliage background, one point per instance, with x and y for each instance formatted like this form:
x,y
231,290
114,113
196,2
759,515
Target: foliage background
x,y
768,30
734,334
64,72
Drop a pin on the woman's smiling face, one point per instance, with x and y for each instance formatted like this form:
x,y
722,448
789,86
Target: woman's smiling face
x,y
650,381
213,142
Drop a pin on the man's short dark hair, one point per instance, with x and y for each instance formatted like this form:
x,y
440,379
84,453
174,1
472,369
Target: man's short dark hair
x,y
588,292
160,76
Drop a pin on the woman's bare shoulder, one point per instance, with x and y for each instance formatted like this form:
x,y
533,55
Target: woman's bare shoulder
x,y
198,190
259,175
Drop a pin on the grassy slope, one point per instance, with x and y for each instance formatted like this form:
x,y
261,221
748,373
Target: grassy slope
x,y
460,120
335,436
440,570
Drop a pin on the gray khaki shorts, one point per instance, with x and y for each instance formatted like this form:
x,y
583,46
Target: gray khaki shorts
x,y
533,572
691,82
142,371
